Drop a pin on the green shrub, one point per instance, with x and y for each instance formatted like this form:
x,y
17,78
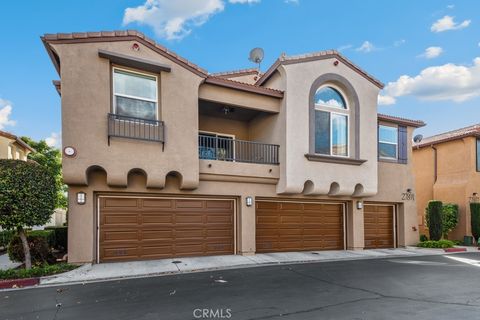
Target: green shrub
x,y
5,237
36,271
61,237
40,250
449,218
434,219
436,244
475,219
48,235
423,238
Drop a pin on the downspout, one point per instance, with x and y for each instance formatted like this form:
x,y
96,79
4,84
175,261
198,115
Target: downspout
x,y
435,161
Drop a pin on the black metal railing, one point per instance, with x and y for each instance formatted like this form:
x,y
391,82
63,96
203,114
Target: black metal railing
x,y
135,128
227,149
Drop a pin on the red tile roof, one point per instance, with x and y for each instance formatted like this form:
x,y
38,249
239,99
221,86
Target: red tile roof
x,y
470,131
234,84
284,59
399,120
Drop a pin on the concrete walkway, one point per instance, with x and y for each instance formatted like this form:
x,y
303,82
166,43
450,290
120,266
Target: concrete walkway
x,y
123,270
6,264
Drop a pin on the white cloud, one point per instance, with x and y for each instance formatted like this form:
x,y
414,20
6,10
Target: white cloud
x,y
292,1
5,112
385,100
447,23
450,6
432,52
366,47
173,19
54,140
448,82
399,43
344,47
244,1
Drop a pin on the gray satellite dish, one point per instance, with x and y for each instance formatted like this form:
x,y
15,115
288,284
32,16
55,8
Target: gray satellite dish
x,y
256,56
418,138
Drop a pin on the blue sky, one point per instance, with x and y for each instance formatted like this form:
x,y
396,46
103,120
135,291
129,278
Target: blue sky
x,y
389,39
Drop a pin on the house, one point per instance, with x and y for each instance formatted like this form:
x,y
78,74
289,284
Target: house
x,y
12,147
163,159
447,168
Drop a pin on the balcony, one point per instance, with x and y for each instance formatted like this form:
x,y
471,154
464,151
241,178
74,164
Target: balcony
x,y
135,128
211,147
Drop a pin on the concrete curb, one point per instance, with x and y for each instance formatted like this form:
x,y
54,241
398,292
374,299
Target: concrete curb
x,y
19,283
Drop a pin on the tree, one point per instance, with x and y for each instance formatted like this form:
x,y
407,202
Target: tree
x,y
27,198
434,219
449,218
475,219
50,158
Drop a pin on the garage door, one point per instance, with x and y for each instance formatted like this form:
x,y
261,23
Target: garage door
x,y
287,226
152,228
378,226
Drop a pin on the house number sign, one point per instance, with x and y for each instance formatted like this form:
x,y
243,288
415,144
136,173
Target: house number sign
x,y
409,196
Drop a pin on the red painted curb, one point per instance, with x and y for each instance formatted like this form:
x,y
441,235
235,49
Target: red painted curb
x,y
8,284
455,249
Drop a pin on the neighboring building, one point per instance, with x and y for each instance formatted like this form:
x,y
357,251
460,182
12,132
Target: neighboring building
x,y
163,159
447,168
12,147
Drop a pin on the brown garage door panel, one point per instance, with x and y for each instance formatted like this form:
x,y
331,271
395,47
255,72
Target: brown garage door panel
x,y
288,226
378,226
150,228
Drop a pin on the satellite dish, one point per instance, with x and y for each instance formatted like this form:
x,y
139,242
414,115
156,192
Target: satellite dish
x,y
418,138
256,56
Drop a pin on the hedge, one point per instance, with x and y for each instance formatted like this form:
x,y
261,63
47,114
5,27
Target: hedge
x,y
475,219
434,219
40,250
36,271
61,237
436,244
5,237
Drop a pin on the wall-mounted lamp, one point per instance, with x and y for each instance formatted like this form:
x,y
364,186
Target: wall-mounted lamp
x,y
249,201
359,205
409,190
81,197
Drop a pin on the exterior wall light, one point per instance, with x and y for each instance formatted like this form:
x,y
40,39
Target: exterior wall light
x,y
81,197
359,205
249,201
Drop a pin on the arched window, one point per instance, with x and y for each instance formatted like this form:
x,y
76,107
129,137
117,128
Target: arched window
x,y
331,122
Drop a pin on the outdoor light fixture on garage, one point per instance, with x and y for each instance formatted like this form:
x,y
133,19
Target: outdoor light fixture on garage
x,y
249,201
81,197
359,205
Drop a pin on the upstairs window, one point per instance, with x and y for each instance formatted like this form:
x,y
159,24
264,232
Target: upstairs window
x,y
331,122
388,142
134,94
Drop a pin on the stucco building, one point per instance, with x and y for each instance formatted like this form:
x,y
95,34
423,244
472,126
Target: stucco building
x,y
12,147
164,159
447,168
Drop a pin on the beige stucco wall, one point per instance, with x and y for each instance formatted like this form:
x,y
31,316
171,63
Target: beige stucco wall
x,y
4,143
9,149
237,128
297,80
457,179
84,118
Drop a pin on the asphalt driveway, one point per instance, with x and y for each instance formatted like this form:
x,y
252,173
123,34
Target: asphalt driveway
x,y
431,287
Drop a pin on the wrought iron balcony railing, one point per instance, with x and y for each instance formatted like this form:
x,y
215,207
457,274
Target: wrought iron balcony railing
x,y
135,128
221,148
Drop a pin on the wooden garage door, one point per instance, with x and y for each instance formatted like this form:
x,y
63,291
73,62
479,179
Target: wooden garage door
x,y
287,226
378,226
152,228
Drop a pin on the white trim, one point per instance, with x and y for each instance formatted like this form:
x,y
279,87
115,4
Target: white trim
x,y
114,102
217,133
228,198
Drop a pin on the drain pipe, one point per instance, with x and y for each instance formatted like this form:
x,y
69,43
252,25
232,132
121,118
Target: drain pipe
x,y
435,160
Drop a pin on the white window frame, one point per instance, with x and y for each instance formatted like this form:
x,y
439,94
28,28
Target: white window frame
x,y
388,142
339,111
222,135
135,97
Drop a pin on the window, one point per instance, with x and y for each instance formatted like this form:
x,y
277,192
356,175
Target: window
x,y
331,122
478,155
388,142
134,94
